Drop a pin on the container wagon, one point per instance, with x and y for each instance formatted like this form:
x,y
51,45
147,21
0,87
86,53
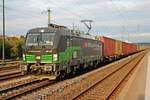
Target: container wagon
x,y
108,47
118,48
126,48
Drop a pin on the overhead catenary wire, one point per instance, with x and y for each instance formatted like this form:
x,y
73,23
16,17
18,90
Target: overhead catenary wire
x,y
126,23
120,13
76,16
65,10
136,5
69,12
28,13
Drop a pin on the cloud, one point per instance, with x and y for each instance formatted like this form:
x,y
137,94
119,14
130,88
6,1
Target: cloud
x,y
108,17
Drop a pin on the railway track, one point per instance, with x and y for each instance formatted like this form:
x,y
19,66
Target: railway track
x,y
10,74
103,89
9,65
17,89
10,70
10,61
99,84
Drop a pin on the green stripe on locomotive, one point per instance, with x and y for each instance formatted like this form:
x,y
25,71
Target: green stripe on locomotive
x,y
29,58
45,58
68,53
48,58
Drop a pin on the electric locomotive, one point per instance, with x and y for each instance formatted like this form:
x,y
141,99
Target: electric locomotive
x,y
55,51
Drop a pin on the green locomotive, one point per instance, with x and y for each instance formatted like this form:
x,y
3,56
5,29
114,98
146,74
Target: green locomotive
x,y
55,51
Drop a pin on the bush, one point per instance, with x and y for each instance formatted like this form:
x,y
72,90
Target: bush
x,y
13,48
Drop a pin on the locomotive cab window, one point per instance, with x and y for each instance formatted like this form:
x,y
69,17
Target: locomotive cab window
x,y
47,39
40,39
32,39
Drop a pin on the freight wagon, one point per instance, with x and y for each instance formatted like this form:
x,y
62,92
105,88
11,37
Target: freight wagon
x,y
113,49
108,47
126,49
129,48
118,48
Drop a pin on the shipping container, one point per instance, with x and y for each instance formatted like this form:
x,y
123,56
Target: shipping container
x,y
128,48
118,47
108,45
137,47
134,48
125,48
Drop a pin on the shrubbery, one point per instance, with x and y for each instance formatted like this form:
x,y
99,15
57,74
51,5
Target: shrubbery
x,y
12,47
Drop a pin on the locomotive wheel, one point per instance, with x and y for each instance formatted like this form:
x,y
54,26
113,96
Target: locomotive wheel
x,y
62,75
74,70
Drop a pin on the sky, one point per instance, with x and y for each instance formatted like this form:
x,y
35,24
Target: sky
x,y
127,20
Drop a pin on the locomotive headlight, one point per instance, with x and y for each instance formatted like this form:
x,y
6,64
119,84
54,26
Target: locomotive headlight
x,y
23,57
38,57
55,57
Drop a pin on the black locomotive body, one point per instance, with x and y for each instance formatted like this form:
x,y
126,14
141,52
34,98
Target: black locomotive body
x,y
51,52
